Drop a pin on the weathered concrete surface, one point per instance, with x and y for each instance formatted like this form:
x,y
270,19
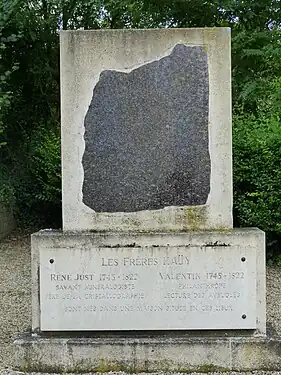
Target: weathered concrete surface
x,y
84,56
247,243
7,221
137,288
161,354
15,297
152,351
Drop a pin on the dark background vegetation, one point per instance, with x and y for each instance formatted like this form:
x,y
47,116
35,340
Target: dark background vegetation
x,y
29,97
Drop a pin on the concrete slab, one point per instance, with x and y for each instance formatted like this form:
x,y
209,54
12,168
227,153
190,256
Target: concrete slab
x,y
167,136
158,263
147,354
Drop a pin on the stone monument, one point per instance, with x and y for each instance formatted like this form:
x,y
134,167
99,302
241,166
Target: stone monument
x,y
148,262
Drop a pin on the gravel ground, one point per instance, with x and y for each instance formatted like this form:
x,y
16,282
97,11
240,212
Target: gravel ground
x,y
15,298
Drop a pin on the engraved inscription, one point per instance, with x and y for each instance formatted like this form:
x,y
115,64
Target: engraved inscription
x,y
183,286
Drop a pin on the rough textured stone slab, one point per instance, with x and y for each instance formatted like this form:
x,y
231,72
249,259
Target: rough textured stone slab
x,y
146,135
189,281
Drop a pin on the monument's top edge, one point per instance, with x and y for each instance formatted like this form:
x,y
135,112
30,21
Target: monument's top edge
x,y
231,232
208,35
214,36
169,30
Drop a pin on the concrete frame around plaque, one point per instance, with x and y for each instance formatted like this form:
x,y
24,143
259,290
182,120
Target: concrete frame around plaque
x,y
85,56
62,304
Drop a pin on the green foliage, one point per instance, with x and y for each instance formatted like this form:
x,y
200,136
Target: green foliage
x,y
5,72
255,59
38,180
7,191
257,171
257,161
46,166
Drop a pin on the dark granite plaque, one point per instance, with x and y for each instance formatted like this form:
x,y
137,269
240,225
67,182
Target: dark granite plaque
x,y
146,135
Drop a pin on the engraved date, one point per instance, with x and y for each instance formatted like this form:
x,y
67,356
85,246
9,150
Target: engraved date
x,y
118,277
224,276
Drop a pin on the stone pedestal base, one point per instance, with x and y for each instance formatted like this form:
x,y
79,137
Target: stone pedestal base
x,y
192,301
209,280
169,353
